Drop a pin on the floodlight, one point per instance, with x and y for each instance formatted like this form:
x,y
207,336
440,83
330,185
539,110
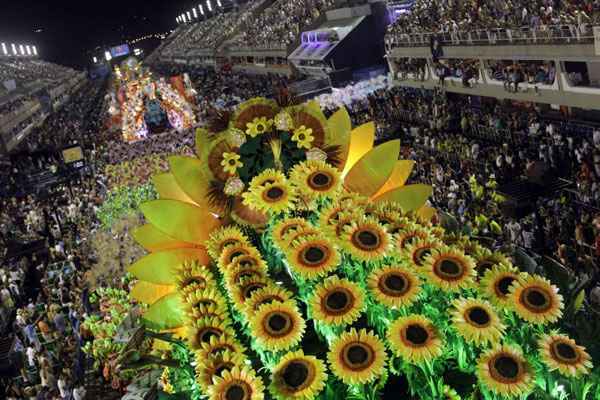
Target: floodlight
x,y
4,51
184,20
95,60
209,5
22,49
28,50
201,9
189,16
195,12
107,55
219,3
34,50
14,49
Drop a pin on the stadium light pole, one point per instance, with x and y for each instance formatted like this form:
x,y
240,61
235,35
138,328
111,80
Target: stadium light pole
x,y
209,5
189,16
14,49
28,50
4,50
201,9
34,50
195,12
22,49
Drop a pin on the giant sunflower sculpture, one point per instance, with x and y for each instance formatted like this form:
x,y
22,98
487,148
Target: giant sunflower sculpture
x,y
289,231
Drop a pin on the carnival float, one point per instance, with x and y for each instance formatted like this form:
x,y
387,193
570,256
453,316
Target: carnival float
x,y
291,259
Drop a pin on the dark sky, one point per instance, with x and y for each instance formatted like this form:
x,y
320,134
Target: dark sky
x,y
71,28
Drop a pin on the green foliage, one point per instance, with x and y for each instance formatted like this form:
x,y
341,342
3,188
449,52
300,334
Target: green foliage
x,y
124,202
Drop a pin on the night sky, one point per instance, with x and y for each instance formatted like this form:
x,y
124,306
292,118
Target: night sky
x,y
70,29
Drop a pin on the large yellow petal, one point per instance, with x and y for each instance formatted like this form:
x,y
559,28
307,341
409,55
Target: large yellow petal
x,y
166,313
148,293
202,140
373,170
361,142
340,128
168,189
188,173
152,239
410,198
161,267
400,174
181,221
314,106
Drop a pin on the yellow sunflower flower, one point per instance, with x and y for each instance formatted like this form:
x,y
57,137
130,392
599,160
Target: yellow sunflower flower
x,y
409,234
418,251
394,287
258,126
561,353
337,301
449,269
266,295
203,297
477,322
217,345
415,339
232,252
366,240
207,368
298,376
235,275
277,326
208,311
286,226
294,237
312,257
193,274
201,330
486,259
237,384
246,288
357,357
223,237
271,199
496,283
267,177
504,371
231,162
316,179
536,300
303,137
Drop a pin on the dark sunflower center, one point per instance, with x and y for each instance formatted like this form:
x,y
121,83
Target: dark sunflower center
x,y
417,334
479,316
337,300
507,367
287,229
221,349
260,127
205,334
565,351
295,374
314,255
228,242
235,392
366,239
232,162
535,299
275,193
449,267
395,283
319,180
357,354
205,303
484,265
223,367
194,280
268,300
278,324
236,254
504,285
301,136
248,290
421,255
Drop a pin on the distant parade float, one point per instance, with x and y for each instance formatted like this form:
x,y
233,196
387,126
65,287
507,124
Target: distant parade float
x,y
292,260
141,105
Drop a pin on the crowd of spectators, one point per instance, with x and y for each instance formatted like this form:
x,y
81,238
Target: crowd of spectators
x,y
29,71
540,17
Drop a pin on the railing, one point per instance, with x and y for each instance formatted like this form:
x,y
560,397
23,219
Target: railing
x,y
525,35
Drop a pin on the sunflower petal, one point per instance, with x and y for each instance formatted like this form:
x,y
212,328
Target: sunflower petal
x,y
340,128
400,174
166,313
410,198
373,170
149,293
160,267
181,221
152,239
168,189
426,213
188,173
362,139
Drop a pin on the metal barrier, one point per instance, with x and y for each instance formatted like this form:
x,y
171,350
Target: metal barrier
x,y
546,34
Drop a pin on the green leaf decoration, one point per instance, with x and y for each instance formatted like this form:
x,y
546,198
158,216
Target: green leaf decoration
x,y
166,313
